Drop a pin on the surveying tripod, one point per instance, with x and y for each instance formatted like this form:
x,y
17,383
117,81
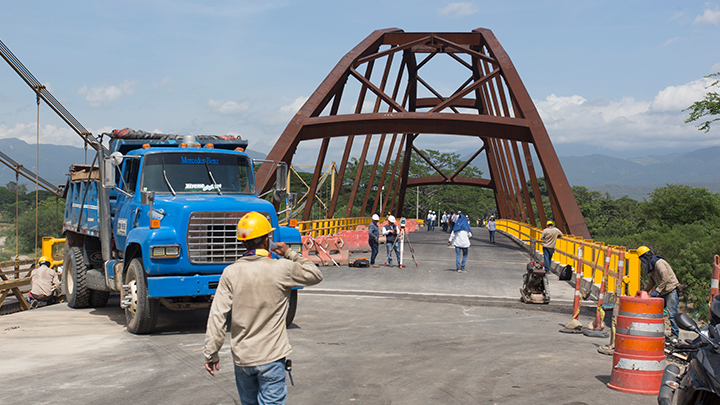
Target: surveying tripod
x,y
402,238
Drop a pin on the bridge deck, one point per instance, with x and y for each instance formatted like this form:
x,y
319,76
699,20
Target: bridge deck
x,y
494,271
425,335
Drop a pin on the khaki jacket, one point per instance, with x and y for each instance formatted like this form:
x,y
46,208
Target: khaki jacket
x,y
549,237
45,282
257,290
662,278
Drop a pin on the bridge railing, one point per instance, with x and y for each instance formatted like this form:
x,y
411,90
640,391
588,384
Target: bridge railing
x,y
593,255
333,226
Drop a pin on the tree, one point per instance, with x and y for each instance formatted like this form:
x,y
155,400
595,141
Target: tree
x,y
13,187
677,204
709,106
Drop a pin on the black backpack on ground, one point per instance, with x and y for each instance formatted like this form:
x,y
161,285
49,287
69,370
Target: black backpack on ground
x,y
566,273
362,262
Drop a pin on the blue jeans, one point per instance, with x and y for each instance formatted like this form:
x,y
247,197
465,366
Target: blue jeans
x,y
458,263
373,250
547,256
671,304
492,236
262,385
390,249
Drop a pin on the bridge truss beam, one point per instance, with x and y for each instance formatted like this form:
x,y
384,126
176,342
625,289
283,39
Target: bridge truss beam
x,y
488,106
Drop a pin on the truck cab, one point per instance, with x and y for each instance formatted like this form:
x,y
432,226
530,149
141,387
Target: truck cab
x,y
171,207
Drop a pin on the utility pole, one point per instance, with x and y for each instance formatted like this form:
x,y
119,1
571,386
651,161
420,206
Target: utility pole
x,y
417,202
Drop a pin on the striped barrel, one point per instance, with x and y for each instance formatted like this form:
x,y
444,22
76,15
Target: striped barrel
x,y
639,357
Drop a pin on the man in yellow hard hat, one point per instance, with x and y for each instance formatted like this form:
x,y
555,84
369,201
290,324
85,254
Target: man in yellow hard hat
x,y
662,283
548,239
46,287
257,290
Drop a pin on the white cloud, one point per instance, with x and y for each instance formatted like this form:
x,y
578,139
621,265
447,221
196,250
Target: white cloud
x,y
228,107
670,41
166,83
48,134
677,98
627,123
460,9
711,15
99,97
292,108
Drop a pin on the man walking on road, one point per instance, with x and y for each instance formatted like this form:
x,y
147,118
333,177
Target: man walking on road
x,y
460,238
257,290
663,283
373,236
548,239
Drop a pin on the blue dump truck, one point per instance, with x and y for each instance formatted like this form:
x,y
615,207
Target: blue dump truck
x,y
154,218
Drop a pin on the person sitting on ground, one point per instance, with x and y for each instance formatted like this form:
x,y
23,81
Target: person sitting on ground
x,y
460,238
663,283
46,287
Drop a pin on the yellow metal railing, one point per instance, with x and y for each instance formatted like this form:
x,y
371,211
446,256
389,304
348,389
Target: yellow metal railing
x,y
333,226
593,255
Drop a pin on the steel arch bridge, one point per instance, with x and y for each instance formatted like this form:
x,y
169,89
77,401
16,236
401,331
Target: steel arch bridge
x,y
487,103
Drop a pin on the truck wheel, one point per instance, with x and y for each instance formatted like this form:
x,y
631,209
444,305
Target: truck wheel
x,y
99,298
76,292
142,312
292,308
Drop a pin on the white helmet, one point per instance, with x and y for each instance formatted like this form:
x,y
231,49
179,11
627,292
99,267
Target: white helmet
x,y
391,219
375,217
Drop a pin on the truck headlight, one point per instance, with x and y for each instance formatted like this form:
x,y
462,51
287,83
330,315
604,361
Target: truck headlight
x,y
165,252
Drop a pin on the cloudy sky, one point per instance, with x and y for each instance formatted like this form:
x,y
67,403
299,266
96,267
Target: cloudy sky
x,y
607,76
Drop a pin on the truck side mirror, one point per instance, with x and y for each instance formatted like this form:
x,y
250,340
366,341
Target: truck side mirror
x,y
281,176
147,197
292,199
108,172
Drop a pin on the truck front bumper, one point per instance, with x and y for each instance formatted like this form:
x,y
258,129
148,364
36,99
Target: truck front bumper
x,y
182,286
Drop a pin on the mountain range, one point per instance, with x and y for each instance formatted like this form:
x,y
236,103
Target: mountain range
x,y
635,177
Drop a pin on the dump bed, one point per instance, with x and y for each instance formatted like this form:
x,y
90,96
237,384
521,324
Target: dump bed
x,y
81,200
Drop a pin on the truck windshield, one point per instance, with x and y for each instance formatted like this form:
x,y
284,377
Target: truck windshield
x,y
193,173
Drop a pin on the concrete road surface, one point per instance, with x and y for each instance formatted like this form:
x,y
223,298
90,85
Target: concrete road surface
x,y
417,335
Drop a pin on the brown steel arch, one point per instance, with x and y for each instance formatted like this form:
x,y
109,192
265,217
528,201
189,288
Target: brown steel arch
x,y
491,105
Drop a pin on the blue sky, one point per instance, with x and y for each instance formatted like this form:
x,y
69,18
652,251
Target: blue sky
x,y
607,76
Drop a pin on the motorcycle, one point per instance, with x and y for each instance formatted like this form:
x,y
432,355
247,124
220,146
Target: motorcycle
x,y
699,383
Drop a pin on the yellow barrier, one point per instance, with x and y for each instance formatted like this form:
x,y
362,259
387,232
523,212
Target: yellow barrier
x,y
331,226
593,259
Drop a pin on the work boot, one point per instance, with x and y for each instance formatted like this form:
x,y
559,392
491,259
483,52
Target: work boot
x,y
374,265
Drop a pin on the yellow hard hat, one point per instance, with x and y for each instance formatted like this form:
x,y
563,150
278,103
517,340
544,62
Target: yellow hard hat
x,y
549,223
253,225
642,250
44,259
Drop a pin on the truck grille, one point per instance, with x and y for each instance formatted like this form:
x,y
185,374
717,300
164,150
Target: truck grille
x,y
211,237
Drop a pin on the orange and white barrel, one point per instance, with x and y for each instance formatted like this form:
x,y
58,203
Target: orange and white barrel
x,y
639,356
